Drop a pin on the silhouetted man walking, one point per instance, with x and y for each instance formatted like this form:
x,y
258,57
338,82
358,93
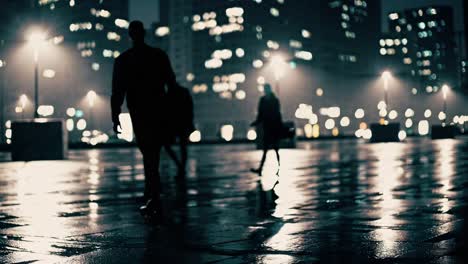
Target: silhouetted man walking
x,y
140,75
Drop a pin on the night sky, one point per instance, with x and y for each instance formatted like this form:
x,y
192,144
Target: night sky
x,y
147,10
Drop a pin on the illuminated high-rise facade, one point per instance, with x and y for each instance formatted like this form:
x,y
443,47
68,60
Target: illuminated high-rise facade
x,y
230,49
96,29
423,41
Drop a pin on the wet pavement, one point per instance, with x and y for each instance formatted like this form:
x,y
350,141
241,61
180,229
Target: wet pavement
x,y
332,202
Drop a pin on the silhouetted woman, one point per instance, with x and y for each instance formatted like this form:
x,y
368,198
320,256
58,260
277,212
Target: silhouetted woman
x,y
270,121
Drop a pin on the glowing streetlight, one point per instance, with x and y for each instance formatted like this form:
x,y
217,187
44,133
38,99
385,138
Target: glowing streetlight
x,y
386,75
278,65
36,39
91,97
23,100
445,90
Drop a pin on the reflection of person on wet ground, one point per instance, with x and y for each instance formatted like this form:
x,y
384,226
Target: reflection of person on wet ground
x,y
140,76
181,124
270,121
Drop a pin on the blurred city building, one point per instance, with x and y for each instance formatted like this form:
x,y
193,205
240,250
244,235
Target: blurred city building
x,y
226,51
423,41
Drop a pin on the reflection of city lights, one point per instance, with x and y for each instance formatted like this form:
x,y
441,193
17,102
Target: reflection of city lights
x,y
329,124
402,135
363,126
367,134
240,95
8,133
162,31
319,92
251,134
442,116
427,113
408,123
45,110
48,73
409,112
257,64
227,132
308,130
381,105
195,136
81,124
316,131
393,114
70,124
359,113
423,127
345,121
335,131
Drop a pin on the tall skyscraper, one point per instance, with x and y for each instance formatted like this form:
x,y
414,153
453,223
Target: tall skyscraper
x,y
96,29
423,41
227,50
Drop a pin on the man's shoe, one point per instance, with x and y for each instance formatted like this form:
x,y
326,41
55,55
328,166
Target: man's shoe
x,y
256,171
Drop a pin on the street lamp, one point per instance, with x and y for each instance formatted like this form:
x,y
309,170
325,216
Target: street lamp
x,y
23,100
386,75
278,64
445,89
36,39
91,97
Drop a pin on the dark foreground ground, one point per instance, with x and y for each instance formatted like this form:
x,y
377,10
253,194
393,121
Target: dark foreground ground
x,y
333,202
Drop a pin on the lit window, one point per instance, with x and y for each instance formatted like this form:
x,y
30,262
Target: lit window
x,y
213,63
257,64
162,31
107,53
393,16
423,127
234,12
359,113
407,61
273,44
240,95
319,92
113,36
45,110
227,132
274,12
345,121
304,55
295,44
121,23
95,66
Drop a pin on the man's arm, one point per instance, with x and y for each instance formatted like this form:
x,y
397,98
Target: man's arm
x,y
169,74
118,91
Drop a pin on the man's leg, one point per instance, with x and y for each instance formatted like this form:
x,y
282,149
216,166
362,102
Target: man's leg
x,y
183,153
151,158
173,155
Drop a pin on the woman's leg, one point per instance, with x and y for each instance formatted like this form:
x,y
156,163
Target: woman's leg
x,y
173,155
